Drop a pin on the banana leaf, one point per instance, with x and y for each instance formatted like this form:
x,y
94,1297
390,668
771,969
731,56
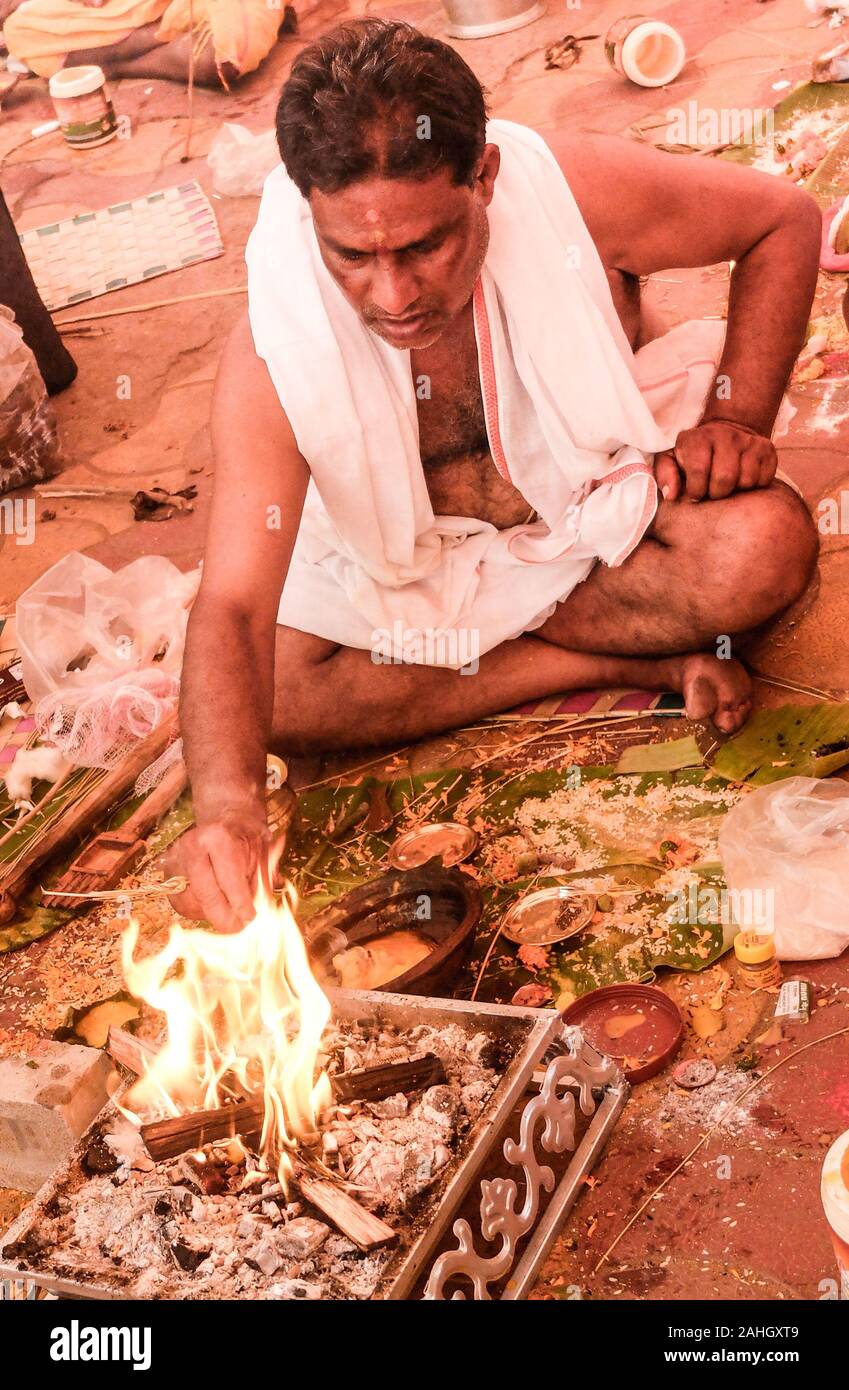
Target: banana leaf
x,y
806,100
790,741
329,851
35,923
830,181
661,757
607,955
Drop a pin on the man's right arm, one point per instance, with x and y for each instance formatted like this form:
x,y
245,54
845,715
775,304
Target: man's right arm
x,y
228,671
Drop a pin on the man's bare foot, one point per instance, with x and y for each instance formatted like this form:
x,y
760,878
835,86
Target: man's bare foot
x,y
713,689
141,54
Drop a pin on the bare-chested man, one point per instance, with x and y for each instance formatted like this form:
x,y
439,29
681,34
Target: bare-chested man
x,y
402,228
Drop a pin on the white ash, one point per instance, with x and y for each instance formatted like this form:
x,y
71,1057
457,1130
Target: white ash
x,y
150,1230
704,1107
295,1288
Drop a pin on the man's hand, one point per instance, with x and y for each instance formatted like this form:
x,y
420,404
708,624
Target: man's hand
x,y
222,861
713,460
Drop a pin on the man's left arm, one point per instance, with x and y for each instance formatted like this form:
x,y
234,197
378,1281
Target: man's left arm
x,y
649,211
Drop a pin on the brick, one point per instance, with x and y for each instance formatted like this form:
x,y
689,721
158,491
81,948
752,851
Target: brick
x,y
46,1102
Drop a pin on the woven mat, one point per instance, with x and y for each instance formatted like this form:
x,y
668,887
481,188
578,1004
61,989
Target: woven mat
x,y
96,252
580,703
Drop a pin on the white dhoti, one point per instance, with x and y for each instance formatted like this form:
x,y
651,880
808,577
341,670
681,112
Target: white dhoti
x,y
573,417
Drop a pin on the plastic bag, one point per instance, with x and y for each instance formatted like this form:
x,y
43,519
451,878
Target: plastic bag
x,y
29,444
241,161
101,652
787,846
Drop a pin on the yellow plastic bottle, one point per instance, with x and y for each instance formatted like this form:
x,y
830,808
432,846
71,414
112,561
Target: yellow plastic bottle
x,y
759,965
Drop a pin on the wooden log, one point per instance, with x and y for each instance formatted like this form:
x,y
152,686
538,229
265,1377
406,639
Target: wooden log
x,y
376,1083
168,1138
325,1194
362,1227
130,1051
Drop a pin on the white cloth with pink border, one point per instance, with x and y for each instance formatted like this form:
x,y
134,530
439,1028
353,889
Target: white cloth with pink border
x,y
574,418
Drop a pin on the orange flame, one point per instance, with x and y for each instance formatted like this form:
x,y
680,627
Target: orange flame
x,y
243,1007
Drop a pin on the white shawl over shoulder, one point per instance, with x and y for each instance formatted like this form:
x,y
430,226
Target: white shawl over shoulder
x,y
573,418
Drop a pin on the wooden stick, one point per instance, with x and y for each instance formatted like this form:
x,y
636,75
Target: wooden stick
x,y
336,1204
130,1051
362,1227
168,1138
376,1083
151,304
45,490
39,805
191,84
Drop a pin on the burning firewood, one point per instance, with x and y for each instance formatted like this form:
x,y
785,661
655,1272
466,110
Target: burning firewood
x,y
376,1083
250,1220
372,1083
130,1051
168,1138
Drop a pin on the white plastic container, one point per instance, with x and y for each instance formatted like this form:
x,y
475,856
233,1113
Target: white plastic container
x,y
835,1200
83,106
647,51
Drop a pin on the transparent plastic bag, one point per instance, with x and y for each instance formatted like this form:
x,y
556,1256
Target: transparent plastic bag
x,y
790,842
101,652
29,444
241,160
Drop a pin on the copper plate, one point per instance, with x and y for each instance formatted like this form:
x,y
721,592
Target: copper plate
x,y
447,840
548,915
642,1051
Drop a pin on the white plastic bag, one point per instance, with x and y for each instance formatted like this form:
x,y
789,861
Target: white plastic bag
x,y
788,845
29,445
101,652
241,161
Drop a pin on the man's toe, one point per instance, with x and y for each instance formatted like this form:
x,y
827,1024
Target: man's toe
x,y
732,714
700,698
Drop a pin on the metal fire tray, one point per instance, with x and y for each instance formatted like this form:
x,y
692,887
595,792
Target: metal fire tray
x,y
572,1088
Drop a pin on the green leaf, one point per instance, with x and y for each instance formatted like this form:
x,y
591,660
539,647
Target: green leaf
x,y
827,184
39,922
661,757
791,741
807,99
607,953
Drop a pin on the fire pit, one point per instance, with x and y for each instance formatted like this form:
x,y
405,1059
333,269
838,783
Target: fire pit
x,y
420,1261
284,1144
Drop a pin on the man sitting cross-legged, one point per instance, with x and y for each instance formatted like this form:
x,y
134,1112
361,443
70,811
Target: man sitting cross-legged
x,y
448,434
216,41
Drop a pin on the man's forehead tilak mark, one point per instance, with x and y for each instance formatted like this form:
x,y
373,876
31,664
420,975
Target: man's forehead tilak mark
x,y
378,235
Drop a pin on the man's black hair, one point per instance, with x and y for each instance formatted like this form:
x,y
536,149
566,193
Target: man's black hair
x,y
377,97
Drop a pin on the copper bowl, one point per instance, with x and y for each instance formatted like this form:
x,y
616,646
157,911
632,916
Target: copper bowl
x,y
393,903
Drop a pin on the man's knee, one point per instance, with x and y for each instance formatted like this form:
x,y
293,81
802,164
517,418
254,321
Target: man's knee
x,y
772,546
756,553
